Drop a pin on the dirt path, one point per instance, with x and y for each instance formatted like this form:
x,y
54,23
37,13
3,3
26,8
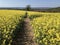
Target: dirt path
x,y
24,34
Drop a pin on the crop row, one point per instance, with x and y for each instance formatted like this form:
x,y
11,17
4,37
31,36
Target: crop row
x,y
47,29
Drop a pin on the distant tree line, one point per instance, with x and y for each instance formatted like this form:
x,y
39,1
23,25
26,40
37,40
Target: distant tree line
x,y
47,10
29,8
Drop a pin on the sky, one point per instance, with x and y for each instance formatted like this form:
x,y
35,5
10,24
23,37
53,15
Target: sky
x,y
33,3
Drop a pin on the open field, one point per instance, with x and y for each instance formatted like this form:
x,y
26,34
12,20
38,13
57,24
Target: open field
x,y
46,26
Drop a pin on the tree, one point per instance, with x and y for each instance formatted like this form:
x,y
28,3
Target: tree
x,y
28,8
